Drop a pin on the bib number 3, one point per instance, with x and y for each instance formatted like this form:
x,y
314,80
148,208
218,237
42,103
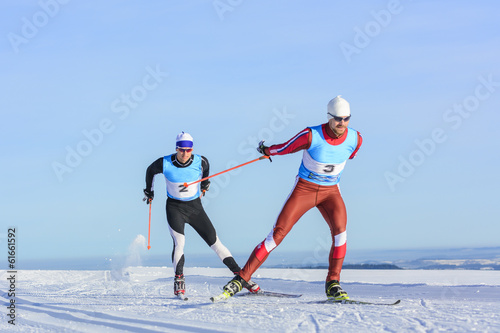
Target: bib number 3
x,y
329,168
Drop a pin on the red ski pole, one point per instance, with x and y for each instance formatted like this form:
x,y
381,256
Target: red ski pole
x,y
238,166
149,228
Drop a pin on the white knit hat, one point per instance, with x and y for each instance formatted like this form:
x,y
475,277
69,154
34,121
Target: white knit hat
x,y
184,140
338,107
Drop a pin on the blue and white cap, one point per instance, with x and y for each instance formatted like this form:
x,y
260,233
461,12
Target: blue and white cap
x,y
183,140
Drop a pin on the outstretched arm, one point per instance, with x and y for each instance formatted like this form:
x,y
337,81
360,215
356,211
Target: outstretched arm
x,y
299,142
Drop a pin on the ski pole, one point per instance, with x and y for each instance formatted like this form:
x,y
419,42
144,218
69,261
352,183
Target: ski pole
x,y
149,228
238,166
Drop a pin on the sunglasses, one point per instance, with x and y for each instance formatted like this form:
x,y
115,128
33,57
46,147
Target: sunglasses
x,y
339,119
185,150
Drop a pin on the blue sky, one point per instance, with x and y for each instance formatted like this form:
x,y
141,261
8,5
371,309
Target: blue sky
x,y
93,92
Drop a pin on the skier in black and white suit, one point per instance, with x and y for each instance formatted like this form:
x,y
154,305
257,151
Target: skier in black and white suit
x,y
184,205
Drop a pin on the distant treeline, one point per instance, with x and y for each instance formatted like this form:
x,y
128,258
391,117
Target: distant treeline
x,y
370,266
464,267
346,266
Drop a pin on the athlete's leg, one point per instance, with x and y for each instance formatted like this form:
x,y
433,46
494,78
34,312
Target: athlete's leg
x,y
201,223
332,207
176,226
301,199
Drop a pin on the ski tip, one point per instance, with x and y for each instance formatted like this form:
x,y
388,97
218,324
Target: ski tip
x,y
216,299
221,297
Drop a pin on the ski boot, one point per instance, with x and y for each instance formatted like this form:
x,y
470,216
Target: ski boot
x,y
234,286
251,286
179,285
334,291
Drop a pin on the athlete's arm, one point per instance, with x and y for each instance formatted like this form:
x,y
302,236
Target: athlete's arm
x,y
205,166
299,142
360,141
155,168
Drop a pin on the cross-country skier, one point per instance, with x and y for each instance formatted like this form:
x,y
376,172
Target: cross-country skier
x,y
326,147
184,206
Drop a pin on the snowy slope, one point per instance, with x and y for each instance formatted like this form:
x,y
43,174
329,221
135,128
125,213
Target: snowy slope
x,y
140,299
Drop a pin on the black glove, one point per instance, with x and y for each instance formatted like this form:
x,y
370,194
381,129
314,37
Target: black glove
x,y
262,149
205,186
149,195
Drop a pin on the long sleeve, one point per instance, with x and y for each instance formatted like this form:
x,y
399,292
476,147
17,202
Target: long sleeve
x,y
360,141
205,166
155,168
299,142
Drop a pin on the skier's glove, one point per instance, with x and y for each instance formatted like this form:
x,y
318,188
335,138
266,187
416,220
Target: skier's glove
x,y
262,148
205,186
149,195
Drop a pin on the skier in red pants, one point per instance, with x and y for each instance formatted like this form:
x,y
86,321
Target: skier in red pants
x,y
326,147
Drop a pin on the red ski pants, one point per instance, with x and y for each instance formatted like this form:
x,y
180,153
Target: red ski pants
x,y
304,196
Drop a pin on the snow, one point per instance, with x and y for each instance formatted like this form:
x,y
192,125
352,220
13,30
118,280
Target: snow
x,y
140,299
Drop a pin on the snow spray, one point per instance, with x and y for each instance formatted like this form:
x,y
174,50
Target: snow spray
x,y
134,251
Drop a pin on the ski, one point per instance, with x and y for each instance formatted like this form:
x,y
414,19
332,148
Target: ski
x,y
225,295
221,297
182,297
352,301
270,294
